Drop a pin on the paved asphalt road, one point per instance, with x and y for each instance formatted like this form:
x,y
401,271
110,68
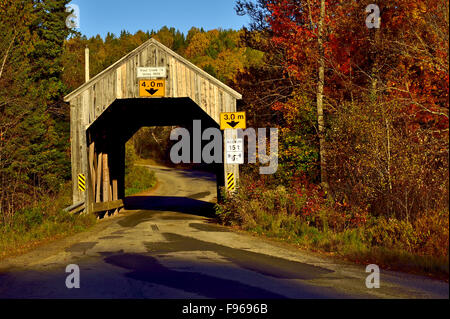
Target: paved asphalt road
x,y
167,248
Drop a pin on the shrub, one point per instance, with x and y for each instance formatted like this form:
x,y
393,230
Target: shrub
x,y
139,179
432,233
44,220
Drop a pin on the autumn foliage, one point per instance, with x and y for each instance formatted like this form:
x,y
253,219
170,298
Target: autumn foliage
x,y
386,107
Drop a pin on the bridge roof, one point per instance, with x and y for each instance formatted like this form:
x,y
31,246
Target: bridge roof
x,y
152,42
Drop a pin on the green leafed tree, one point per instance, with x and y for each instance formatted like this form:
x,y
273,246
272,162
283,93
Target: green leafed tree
x,y
34,136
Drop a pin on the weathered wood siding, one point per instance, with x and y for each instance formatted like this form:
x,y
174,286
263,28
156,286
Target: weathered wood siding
x,y
183,80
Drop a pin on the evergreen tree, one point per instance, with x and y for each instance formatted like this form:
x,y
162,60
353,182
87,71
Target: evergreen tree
x,y
34,146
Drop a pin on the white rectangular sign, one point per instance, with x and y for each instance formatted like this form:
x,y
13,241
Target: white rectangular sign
x,y
151,73
234,151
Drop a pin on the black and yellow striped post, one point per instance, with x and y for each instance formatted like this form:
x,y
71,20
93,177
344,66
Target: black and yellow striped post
x,y
82,182
231,182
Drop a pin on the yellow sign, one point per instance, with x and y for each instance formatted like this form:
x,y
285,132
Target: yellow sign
x,y
231,182
233,120
82,182
152,88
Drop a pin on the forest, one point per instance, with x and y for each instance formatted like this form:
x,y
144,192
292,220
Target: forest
x,y
362,114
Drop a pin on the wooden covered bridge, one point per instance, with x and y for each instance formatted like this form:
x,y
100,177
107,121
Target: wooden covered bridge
x,y
110,108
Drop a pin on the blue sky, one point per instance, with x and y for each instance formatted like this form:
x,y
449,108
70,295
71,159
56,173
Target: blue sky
x,y
101,16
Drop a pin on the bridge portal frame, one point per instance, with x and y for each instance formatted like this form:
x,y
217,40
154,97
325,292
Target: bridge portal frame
x,y
103,168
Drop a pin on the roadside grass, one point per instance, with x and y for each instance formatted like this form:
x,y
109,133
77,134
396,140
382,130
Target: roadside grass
x,y
139,179
350,246
390,244
44,222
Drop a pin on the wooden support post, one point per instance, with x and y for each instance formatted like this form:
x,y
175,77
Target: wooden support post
x,y
106,184
95,164
99,178
104,207
115,190
115,195
86,64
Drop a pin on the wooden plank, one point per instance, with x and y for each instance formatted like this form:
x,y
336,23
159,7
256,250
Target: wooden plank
x,y
103,207
92,175
193,86
115,190
97,107
129,89
77,210
134,80
197,90
208,98
86,105
99,178
162,58
227,103
121,169
106,197
83,158
204,96
183,80
143,58
174,81
104,73
102,95
211,100
179,80
92,104
111,89
188,83
115,195
74,148
150,57
221,101
157,57
95,165
119,83
216,104
200,93
232,104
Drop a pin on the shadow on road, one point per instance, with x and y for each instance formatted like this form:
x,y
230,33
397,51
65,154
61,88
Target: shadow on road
x,y
170,203
198,175
149,269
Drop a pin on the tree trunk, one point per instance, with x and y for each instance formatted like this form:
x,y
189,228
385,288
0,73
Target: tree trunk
x,y
6,54
320,118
